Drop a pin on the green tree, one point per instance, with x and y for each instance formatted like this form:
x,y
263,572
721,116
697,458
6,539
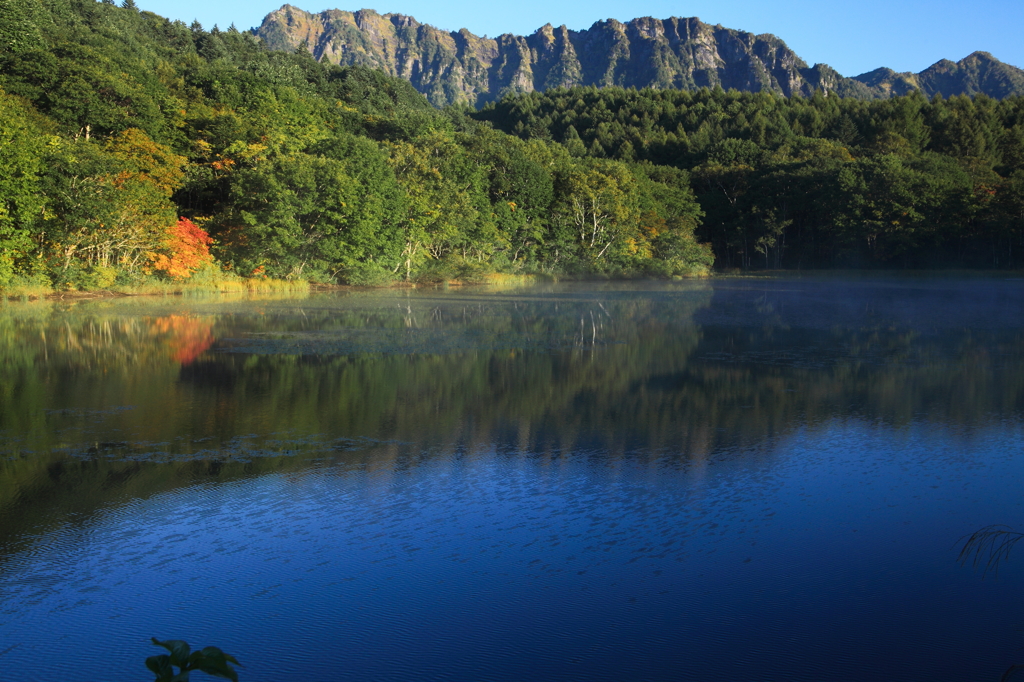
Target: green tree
x,y
598,213
287,217
21,199
520,192
443,188
20,25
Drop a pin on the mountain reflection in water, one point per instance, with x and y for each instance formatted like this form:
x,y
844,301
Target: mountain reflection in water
x,y
736,478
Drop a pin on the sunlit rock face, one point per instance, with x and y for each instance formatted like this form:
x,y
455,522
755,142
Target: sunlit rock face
x,y
977,73
459,67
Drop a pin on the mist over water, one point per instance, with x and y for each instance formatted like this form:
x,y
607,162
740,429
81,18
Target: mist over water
x,y
760,479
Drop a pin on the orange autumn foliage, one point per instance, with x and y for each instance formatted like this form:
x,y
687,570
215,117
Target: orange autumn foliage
x,y
187,248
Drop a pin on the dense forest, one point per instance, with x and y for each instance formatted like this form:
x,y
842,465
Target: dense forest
x,y
135,149
813,182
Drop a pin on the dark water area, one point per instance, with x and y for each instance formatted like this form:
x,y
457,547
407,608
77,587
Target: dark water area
x,y
760,479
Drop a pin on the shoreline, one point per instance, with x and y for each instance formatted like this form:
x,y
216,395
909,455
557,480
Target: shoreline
x,y
41,293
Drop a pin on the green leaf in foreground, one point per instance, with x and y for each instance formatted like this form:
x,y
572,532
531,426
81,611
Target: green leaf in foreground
x,y
210,660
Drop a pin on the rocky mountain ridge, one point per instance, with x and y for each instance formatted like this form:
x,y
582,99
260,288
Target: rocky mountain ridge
x,y
459,67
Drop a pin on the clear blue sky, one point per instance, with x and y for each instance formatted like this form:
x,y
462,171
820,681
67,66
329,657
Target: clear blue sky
x,y
852,37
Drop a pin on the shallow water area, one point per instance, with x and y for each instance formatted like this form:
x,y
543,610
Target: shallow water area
x,y
739,478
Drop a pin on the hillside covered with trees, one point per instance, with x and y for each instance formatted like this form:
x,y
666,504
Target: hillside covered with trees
x,y
814,182
133,147
136,149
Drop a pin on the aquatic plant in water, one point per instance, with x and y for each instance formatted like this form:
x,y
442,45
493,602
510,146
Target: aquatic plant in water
x,y
209,660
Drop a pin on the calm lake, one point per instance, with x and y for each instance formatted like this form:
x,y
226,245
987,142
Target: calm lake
x,y
739,479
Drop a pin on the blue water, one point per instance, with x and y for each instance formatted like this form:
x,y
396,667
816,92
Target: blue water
x,y
796,517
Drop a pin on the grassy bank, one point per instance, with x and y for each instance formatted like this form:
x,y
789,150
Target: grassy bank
x,y
225,283
155,287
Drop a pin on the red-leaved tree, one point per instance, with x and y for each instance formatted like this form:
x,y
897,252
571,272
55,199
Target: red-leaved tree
x,y
186,249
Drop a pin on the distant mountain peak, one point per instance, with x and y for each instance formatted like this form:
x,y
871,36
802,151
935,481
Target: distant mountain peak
x,y
977,73
683,53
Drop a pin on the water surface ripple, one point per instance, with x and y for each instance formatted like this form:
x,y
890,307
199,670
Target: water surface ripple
x,y
742,479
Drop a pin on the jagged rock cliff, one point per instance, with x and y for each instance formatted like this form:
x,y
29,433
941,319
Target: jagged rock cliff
x,y
459,67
